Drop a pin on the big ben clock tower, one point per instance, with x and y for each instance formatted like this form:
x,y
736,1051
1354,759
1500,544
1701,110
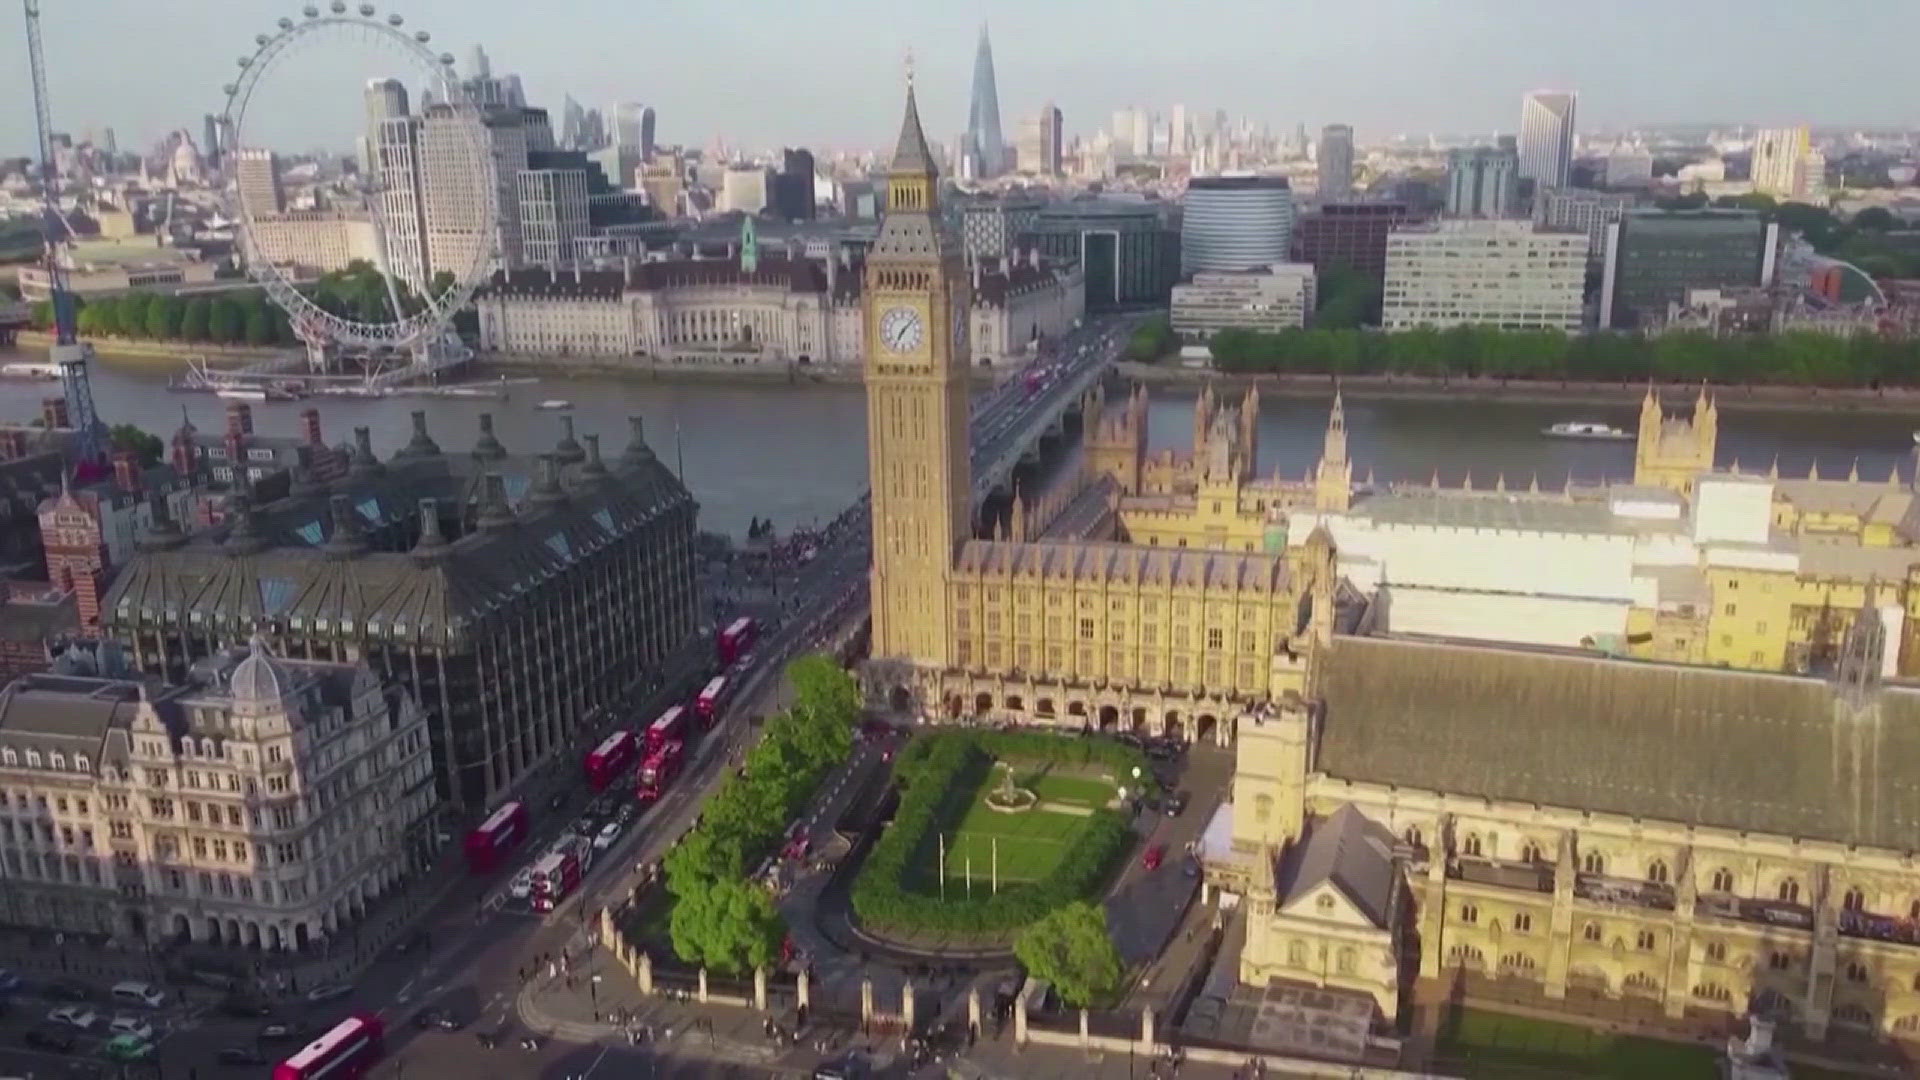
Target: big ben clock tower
x,y
917,409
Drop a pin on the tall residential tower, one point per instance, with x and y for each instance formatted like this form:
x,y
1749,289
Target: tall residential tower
x,y
1546,137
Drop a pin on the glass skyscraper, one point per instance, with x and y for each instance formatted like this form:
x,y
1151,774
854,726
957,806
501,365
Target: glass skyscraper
x,y
983,117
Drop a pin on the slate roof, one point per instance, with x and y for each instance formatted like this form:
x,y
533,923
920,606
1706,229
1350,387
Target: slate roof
x,y
70,715
1350,851
1694,745
294,569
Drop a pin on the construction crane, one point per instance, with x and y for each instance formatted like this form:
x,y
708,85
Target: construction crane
x,y
67,353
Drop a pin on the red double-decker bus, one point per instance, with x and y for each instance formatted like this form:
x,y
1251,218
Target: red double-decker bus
x,y
348,1050
659,770
711,697
613,756
736,639
500,833
668,727
558,873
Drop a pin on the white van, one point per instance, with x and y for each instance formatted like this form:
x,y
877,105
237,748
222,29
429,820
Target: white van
x,y
139,993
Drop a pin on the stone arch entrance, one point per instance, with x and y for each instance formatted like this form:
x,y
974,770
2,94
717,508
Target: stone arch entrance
x,y
300,938
1139,719
1109,717
1045,710
900,699
982,703
1205,728
1014,704
1175,729
253,935
274,940
137,925
1170,722
213,929
233,931
1077,710
182,929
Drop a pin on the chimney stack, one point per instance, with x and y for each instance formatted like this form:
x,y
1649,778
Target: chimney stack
x,y
310,426
239,418
53,410
126,471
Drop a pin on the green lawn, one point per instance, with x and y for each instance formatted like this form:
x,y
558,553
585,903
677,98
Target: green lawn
x,y
1503,1047
1029,844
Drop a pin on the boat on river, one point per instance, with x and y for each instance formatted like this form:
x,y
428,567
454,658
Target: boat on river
x,y
555,405
1586,429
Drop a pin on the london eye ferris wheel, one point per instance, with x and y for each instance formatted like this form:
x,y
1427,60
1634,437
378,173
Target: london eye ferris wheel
x,y
388,191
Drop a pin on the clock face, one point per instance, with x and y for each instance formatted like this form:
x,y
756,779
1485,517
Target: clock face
x,y
900,329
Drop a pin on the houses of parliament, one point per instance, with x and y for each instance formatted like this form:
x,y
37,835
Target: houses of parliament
x,y
1639,751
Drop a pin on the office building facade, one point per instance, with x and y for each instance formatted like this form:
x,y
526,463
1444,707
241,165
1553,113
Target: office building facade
x,y
743,189
1786,166
1277,298
1504,274
1351,235
1234,223
1483,182
1582,210
261,803
1129,253
1335,162
553,214
393,143
1038,151
1655,257
992,227
792,196
256,178
1546,137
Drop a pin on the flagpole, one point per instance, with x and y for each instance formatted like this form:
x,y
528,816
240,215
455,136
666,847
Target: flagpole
x,y
943,865
969,873
996,866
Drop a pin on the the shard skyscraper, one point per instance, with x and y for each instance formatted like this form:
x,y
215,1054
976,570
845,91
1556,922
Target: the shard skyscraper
x,y
983,118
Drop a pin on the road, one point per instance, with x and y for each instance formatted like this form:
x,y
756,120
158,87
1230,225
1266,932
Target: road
x,y
481,942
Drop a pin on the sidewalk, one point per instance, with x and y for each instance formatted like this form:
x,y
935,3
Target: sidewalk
x,y
713,1032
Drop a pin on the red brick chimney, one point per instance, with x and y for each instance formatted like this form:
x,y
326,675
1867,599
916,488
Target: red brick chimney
x,y
239,418
126,471
310,427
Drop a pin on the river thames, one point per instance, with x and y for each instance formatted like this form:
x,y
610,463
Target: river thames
x,y
797,453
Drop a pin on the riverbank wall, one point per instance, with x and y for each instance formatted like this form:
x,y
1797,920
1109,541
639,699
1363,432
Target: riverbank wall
x,y
1522,391
159,355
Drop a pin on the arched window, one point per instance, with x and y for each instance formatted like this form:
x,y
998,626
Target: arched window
x,y
1853,1014
1854,900
1262,809
1469,914
1593,863
80,762
1644,941
1856,971
1414,838
33,759
1907,1025
1717,951
1790,890
1471,846
1723,880
8,757
1657,871
1344,963
1296,954
57,759
1591,932
1712,992
1530,852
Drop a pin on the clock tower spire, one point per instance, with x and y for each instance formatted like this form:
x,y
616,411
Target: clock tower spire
x,y
917,361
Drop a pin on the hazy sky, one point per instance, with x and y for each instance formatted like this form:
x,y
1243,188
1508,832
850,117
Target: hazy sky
x,y
827,73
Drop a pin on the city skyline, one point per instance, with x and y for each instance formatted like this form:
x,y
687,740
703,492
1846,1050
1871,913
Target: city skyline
x,y
1080,57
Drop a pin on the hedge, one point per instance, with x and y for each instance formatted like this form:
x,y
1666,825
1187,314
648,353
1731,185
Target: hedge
x,y
940,773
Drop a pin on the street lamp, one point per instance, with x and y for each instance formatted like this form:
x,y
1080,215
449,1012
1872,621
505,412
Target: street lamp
x,y
593,991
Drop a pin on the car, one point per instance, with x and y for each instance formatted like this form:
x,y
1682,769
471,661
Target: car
x,y
131,1025
328,992
52,1040
9,982
489,1040
66,990
559,800
242,1007
127,1048
1176,804
436,1018
282,1031
139,993
522,885
78,1017
239,1056
1191,868
418,941
797,846
628,812
1163,750
607,835
1152,859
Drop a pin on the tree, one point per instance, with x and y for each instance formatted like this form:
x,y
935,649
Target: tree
x,y
147,447
1070,949
225,321
730,926
1876,218
826,704
702,857
1151,341
259,324
193,319
132,315
163,317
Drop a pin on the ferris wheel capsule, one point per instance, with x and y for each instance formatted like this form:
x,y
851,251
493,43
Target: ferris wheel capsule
x,y
339,7
245,61
261,39
285,24
310,11
366,11
446,59
230,89
395,19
